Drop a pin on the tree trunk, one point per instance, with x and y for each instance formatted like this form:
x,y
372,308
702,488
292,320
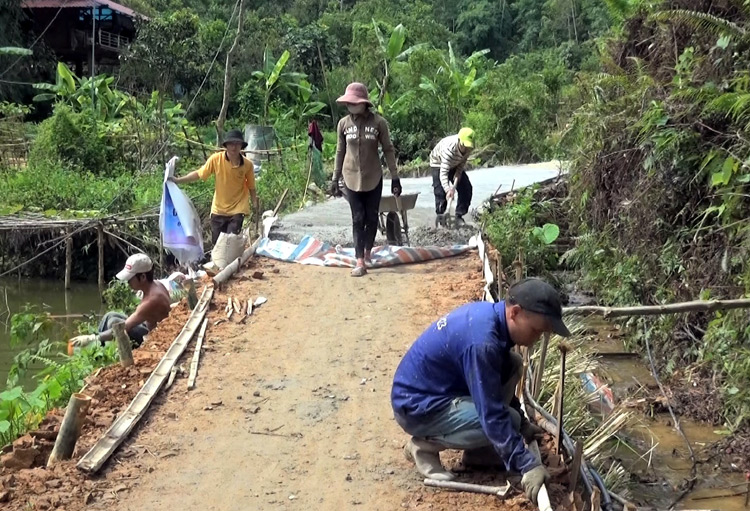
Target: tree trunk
x,y
228,80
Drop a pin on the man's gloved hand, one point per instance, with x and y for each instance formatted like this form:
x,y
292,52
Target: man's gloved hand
x,y
529,431
533,480
83,340
335,190
396,187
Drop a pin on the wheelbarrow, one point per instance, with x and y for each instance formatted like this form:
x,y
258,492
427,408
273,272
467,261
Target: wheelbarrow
x,y
394,229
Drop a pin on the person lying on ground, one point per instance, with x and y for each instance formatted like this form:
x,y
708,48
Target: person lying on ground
x,y
154,306
234,189
455,387
357,159
447,165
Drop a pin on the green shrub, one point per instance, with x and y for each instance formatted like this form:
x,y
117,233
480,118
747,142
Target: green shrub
x,y
518,227
74,140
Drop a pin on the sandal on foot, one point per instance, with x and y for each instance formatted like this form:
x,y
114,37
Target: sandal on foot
x,y
359,271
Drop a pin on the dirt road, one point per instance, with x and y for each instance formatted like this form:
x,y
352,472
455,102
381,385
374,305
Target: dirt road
x,y
292,409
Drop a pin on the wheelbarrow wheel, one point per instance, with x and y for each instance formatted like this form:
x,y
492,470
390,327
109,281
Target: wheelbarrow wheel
x,y
393,229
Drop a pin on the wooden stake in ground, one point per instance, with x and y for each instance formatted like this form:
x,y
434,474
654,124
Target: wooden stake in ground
x,y
124,346
70,428
100,247
575,467
564,348
68,260
196,356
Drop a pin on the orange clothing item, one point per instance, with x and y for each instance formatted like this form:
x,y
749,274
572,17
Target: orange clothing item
x,y
233,184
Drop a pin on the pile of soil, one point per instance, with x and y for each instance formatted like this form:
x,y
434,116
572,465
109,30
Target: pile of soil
x,y
26,482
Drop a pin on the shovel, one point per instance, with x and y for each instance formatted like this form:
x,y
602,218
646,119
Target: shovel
x,y
447,219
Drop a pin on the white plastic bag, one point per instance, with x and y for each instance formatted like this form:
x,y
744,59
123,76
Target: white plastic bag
x,y
179,223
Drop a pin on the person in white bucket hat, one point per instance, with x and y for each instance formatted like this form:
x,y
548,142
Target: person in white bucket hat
x,y
154,307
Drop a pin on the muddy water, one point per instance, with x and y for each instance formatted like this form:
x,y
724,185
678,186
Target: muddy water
x,y
661,464
48,296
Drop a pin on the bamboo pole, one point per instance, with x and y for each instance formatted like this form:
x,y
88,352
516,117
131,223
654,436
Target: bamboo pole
x,y
93,460
281,201
652,310
100,247
68,260
70,428
307,184
124,346
196,356
539,369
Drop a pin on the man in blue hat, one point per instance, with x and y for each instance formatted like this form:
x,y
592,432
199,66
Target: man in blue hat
x,y
454,388
234,189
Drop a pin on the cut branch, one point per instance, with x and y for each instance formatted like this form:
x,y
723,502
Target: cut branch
x,y
652,310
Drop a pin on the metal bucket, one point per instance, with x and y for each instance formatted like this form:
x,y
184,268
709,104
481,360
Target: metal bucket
x,y
260,140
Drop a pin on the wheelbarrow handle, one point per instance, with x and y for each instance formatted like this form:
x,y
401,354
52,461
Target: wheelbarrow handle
x,y
399,206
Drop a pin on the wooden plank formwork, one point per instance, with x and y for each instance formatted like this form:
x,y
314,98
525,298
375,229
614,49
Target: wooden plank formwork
x,y
93,460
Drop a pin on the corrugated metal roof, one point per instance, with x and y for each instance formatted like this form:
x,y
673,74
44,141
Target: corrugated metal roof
x,y
56,4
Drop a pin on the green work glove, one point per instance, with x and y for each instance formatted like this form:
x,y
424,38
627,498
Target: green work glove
x,y
533,480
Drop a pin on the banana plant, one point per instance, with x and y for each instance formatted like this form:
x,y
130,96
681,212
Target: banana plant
x,y
303,108
274,77
454,84
77,92
391,51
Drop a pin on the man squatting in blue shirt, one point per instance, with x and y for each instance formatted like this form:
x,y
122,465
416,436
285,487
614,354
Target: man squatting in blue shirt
x,y
454,388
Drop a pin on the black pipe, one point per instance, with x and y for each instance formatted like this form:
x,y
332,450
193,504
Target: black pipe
x,y
607,504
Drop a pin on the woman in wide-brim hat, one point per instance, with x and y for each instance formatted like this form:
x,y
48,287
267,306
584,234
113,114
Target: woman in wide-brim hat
x,y
357,159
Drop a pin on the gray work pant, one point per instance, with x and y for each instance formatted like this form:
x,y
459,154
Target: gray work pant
x,y
457,426
136,334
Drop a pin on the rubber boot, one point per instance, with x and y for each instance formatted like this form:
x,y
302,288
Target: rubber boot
x,y
426,457
482,458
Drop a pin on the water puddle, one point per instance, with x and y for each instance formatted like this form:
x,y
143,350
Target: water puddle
x,y
657,457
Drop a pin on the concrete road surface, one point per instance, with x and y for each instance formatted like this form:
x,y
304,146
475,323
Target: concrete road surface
x,y
331,220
